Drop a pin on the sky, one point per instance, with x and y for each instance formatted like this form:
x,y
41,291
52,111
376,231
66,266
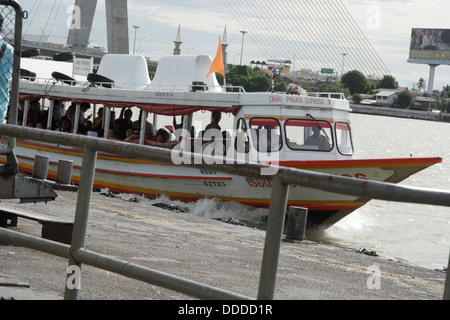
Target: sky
x,y
386,24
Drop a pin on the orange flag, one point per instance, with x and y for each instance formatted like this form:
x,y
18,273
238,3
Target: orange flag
x,y
217,64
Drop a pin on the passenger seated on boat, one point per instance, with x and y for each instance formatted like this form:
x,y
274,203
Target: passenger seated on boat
x,y
124,122
132,135
97,122
162,136
318,139
112,134
65,126
58,113
150,131
35,114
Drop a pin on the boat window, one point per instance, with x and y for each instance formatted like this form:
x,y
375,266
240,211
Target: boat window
x,y
311,135
344,138
241,139
266,134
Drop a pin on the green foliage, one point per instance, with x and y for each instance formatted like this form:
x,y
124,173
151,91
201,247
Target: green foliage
x,y
403,100
332,86
421,84
442,104
356,97
388,82
252,80
245,77
356,82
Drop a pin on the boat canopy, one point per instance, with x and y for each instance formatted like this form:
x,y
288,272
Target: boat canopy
x,y
179,73
127,71
175,76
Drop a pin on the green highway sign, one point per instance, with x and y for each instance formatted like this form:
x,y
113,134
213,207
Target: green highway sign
x,y
327,71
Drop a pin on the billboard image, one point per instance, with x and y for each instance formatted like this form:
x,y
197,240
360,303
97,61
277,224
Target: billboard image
x,y
430,44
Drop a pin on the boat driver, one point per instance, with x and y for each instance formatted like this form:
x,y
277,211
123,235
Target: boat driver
x,y
318,139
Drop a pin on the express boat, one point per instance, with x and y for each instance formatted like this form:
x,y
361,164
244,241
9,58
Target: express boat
x,y
310,131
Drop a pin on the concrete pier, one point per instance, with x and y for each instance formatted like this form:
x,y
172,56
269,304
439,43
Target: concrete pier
x,y
209,251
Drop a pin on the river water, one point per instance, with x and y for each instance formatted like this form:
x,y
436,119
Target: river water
x,y
416,234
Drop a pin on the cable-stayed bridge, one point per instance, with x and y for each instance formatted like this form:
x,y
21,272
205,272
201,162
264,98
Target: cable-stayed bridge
x,y
313,34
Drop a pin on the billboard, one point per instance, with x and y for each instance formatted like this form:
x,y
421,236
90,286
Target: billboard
x,y
430,44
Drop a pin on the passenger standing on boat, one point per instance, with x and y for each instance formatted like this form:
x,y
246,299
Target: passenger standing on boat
x,y
318,139
70,114
216,117
124,122
84,123
6,64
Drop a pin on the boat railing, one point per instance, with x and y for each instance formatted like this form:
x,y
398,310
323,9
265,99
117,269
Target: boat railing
x,y
329,95
137,86
281,179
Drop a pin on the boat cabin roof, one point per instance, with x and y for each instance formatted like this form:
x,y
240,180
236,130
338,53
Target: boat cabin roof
x,y
181,86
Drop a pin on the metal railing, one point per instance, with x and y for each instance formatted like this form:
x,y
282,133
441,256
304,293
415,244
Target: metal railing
x,y
77,254
280,181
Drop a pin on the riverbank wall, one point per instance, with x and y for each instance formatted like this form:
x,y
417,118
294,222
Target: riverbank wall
x,y
400,113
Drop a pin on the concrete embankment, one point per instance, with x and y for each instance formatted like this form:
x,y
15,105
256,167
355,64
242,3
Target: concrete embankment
x,y
400,113
213,252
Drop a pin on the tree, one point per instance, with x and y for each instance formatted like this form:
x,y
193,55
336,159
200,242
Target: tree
x,y
250,79
356,97
403,100
332,86
356,82
421,84
388,82
442,104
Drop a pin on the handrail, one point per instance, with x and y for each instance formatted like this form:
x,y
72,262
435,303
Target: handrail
x,y
281,180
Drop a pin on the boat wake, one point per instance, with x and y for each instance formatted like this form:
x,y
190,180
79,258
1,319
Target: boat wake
x,y
232,212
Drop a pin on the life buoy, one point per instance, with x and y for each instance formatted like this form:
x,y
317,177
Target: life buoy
x,y
65,56
101,80
28,75
63,78
30,53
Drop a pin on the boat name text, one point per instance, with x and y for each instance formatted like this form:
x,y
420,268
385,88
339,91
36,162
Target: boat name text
x,y
297,99
263,183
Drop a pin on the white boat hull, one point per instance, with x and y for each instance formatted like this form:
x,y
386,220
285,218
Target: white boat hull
x,y
126,175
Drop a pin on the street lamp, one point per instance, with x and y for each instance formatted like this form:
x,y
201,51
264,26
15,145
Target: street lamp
x,y
140,43
343,60
242,46
135,31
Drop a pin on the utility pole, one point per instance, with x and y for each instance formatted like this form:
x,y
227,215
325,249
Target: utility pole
x,y
242,45
135,31
343,60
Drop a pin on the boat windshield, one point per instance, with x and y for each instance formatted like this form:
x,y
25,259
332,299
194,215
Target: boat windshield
x,y
344,138
311,135
266,134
